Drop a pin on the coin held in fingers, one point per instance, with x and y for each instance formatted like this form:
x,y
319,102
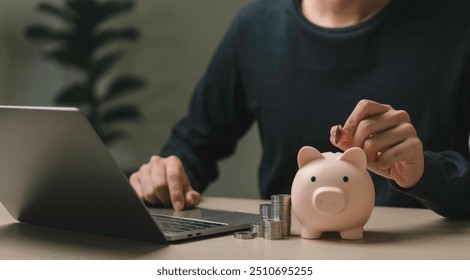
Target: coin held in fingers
x,y
337,133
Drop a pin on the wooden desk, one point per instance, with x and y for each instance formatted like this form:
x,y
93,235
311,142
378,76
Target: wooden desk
x,y
391,233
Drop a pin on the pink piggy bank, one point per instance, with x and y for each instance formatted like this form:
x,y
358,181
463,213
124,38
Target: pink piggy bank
x,y
332,192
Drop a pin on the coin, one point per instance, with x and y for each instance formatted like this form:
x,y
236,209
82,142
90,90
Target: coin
x,y
243,235
337,133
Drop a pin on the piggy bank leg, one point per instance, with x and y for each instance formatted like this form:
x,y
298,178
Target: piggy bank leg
x,y
309,234
354,233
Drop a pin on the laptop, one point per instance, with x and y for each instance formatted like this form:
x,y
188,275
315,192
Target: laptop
x,y
55,171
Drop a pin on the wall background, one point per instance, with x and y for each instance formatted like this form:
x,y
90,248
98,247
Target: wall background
x,y
177,41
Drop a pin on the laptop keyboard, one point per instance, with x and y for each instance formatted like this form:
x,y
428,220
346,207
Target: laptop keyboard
x,y
169,224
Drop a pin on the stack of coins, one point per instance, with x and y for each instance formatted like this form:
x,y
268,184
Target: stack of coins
x,y
272,229
258,229
276,222
265,210
281,210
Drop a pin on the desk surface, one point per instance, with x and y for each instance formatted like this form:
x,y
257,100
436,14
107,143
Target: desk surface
x,y
391,233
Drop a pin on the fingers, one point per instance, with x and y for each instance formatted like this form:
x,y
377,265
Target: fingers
x,y
369,118
177,182
192,198
403,162
163,181
364,110
380,146
388,138
403,151
141,181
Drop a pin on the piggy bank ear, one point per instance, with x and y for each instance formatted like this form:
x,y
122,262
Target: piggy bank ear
x,y
355,156
308,154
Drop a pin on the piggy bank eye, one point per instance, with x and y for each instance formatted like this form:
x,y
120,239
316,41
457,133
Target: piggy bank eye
x,y
345,179
313,179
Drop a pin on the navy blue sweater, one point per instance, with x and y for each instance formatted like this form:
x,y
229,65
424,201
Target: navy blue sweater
x,y
297,80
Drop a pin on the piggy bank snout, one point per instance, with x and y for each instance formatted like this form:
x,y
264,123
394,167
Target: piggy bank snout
x,y
329,200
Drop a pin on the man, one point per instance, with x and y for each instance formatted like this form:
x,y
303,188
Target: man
x,y
395,73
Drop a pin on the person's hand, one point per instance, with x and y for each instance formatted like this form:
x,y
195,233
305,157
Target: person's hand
x,y
388,139
163,181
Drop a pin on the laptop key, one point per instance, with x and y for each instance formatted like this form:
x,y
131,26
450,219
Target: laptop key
x,y
171,224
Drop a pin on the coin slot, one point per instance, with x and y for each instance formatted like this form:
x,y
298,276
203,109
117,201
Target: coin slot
x,y
190,235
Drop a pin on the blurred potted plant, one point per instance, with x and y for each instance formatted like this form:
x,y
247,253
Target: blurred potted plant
x,y
79,45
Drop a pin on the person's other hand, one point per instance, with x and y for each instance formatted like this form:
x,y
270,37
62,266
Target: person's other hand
x,y
163,181
388,138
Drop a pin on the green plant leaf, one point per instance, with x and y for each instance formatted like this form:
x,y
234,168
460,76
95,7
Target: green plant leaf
x,y
109,36
43,32
86,12
80,45
75,93
68,56
121,113
122,85
102,64
55,11
82,7
113,8
93,12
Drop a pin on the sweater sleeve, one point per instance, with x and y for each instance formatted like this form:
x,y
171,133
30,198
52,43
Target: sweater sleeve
x,y
218,116
445,185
